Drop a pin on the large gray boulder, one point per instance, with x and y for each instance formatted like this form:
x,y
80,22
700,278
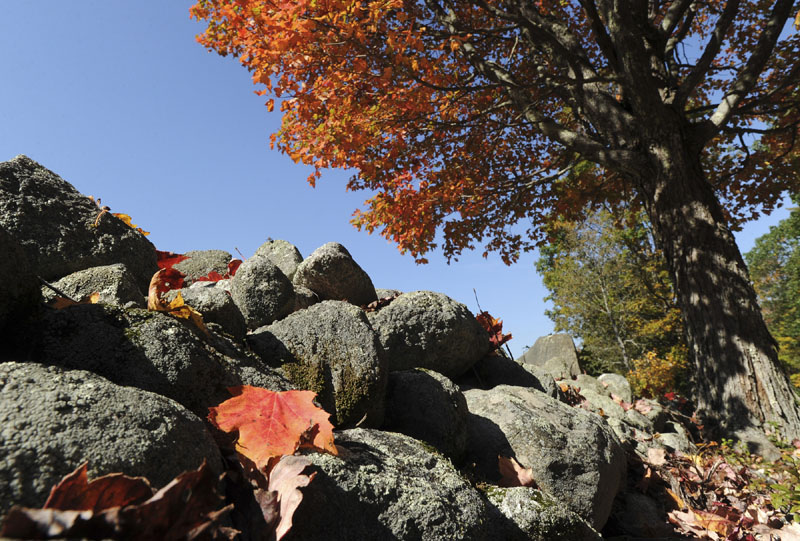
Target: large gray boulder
x,y
285,255
554,353
532,515
387,486
55,225
261,291
332,273
19,287
150,351
331,349
429,407
575,456
115,284
424,329
53,420
200,263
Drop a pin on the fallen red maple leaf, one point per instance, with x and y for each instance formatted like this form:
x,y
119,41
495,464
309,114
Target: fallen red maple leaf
x,y
272,424
119,507
512,474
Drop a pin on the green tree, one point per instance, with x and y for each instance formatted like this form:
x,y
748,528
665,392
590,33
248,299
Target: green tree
x,y
774,264
610,288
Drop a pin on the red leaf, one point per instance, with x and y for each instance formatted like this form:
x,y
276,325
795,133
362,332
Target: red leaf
x,y
162,281
113,490
233,266
187,508
495,329
273,424
165,260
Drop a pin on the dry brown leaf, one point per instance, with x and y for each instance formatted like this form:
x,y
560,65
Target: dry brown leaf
x,y
513,474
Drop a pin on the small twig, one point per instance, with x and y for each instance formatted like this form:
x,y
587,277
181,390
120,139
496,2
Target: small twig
x,y
54,288
240,253
476,300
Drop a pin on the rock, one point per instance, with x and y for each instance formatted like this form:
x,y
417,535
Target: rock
x,y
556,354
53,420
115,284
497,369
618,385
552,388
216,306
262,292
429,407
676,438
536,516
430,330
574,455
54,224
602,404
285,255
387,486
150,351
383,293
303,298
331,349
202,262
331,273
19,287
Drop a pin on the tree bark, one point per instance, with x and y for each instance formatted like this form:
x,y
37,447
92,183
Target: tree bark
x,y
738,383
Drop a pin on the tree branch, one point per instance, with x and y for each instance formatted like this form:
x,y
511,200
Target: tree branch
x,y
709,53
747,77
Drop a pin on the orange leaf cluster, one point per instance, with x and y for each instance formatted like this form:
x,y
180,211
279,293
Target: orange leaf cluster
x,y
164,280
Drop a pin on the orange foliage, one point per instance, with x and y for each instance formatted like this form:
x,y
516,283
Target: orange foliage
x,y
470,120
654,375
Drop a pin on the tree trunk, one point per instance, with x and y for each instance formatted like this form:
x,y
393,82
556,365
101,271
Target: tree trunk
x,y
738,383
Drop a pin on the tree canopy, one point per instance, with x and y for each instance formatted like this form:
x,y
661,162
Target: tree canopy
x,y
484,120
468,117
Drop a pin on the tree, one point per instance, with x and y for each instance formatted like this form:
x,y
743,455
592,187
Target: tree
x,y
468,117
774,264
610,288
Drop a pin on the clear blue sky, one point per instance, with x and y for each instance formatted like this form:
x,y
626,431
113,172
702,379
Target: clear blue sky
x,y
119,99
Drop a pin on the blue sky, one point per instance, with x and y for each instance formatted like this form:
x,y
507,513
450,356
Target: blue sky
x,y
119,99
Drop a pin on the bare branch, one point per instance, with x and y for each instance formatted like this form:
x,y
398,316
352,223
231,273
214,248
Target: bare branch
x,y
709,53
747,77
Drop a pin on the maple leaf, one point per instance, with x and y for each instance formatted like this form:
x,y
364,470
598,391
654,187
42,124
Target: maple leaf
x,y
75,491
494,327
279,502
161,282
121,507
512,474
272,424
166,260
